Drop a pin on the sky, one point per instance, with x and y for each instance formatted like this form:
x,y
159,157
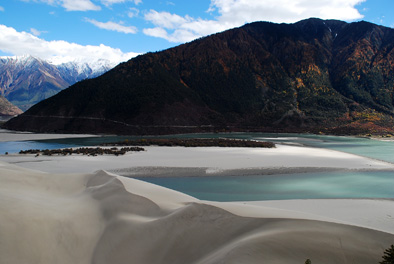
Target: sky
x,y
117,30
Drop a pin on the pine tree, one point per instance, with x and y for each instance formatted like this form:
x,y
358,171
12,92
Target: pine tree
x,y
388,256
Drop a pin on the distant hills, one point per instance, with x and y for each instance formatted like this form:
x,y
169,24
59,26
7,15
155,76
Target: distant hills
x,y
311,76
7,109
27,80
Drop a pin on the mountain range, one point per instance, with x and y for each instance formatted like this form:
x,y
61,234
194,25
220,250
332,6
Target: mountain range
x,y
311,76
27,80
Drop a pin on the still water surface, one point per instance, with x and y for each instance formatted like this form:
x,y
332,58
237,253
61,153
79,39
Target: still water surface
x,y
325,185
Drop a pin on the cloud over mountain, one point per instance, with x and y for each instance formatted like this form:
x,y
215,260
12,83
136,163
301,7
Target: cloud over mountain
x,y
235,13
163,21
58,51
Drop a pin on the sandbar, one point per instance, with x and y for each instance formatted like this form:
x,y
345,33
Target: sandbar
x,y
204,161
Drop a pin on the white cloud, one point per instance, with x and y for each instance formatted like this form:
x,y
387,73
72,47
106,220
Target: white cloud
x,y
166,20
179,35
36,32
111,2
71,5
59,51
1,9
82,5
133,12
113,26
175,28
235,13
156,32
287,11
79,5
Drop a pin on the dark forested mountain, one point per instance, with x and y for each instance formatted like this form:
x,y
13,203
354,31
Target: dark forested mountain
x,y
26,80
314,75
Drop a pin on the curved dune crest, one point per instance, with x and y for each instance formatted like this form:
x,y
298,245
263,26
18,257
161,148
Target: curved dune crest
x,y
104,218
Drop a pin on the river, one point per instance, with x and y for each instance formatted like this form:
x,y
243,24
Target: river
x,y
349,184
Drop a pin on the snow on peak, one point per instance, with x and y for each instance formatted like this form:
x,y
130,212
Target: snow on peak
x,y
22,60
88,67
92,62
81,66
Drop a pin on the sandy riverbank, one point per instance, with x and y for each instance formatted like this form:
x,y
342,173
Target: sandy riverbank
x,y
180,161
103,218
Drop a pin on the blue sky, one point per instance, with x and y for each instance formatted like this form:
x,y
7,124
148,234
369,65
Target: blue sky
x,y
63,30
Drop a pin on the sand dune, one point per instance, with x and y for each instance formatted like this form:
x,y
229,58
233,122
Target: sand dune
x,y
104,218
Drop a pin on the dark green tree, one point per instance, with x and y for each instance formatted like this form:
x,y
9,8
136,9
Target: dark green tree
x,y
308,261
388,256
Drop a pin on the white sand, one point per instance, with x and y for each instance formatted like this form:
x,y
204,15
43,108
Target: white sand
x,y
205,161
99,218
46,218
375,214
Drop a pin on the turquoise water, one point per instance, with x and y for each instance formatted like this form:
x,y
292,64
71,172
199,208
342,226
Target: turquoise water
x,y
281,187
16,146
376,149
268,187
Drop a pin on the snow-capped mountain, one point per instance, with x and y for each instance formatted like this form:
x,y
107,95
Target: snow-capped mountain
x,y
26,80
78,70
